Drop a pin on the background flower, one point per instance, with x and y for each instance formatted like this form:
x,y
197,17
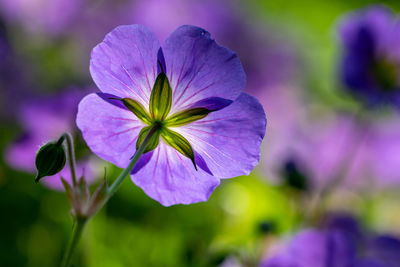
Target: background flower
x,y
45,120
370,55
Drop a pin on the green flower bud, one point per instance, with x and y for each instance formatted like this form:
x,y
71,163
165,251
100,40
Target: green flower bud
x,y
50,160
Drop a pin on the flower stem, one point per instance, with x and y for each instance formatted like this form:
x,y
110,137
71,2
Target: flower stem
x,y
81,221
70,155
114,187
76,235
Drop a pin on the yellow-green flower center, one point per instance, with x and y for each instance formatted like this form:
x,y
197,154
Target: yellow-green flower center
x,y
159,117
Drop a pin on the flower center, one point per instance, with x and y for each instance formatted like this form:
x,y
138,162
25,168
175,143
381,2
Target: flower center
x,y
158,116
385,74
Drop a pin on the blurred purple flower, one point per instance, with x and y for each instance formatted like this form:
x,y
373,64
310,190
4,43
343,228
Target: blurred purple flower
x,y
202,74
44,16
331,148
370,64
12,78
336,245
44,120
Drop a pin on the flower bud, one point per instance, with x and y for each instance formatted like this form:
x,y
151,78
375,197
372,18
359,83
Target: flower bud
x,y
50,160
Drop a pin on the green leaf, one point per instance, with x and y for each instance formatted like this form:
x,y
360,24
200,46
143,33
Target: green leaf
x,y
187,116
161,98
154,141
178,142
50,160
137,109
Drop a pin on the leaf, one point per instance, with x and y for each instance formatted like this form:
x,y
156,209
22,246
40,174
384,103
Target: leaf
x,y
186,116
161,98
137,109
178,142
154,140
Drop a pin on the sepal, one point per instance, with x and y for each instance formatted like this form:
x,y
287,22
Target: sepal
x,y
178,142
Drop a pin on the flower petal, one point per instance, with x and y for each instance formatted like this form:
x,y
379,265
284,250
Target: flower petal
x,y
170,178
198,68
229,140
125,63
110,132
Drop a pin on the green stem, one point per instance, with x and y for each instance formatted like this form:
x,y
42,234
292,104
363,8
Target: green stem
x,y
70,155
114,187
76,235
80,222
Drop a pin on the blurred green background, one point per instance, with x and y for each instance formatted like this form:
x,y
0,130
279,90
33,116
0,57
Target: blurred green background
x,y
243,215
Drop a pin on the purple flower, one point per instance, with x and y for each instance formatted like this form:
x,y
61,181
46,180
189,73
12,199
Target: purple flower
x,y
340,243
330,148
371,57
13,79
48,16
44,120
267,60
198,74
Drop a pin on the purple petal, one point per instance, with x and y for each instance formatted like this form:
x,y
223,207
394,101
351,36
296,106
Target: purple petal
x,y
110,99
109,131
21,154
212,103
125,63
170,178
143,160
199,68
315,248
229,140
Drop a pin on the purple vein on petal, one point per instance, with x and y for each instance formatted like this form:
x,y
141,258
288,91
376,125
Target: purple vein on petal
x,y
179,77
131,142
169,167
122,132
194,137
127,86
121,119
189,83
211,158
197,92
144,68
156,164
184,164
130,77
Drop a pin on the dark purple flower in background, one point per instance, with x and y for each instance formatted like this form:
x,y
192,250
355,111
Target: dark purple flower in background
x,y
370,65
339,243
43,120
200,74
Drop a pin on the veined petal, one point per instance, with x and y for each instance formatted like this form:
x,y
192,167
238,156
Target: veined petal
x,y
229,139
169,178
110,132
199,68
125,63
